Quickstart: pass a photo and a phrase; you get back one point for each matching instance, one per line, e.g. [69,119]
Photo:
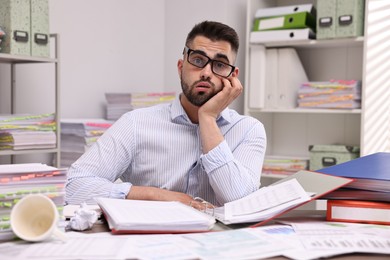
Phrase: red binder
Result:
[356,211]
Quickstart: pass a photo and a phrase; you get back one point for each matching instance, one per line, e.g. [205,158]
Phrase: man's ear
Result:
[179,66]
[236,72]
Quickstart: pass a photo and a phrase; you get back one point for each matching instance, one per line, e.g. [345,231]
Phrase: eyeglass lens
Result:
[218,67]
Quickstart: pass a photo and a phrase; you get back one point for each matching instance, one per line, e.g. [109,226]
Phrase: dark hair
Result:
[215,31]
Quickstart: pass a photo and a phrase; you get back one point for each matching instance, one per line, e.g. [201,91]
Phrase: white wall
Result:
[128,46]
[107,46]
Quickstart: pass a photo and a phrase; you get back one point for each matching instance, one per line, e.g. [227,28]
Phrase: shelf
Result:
[305,111]
[329,43]
[30,151]
[9,58]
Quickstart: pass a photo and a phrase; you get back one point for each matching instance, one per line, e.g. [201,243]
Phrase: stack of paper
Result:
[117,105]
[338,94]
[77,135]
[120,103]
[27,131]
[284,165]
[19,180]
[284,23]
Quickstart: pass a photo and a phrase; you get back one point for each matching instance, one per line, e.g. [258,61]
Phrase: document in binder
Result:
[283,10]
[288,21]
[153,217]
[357,211]
[281,35]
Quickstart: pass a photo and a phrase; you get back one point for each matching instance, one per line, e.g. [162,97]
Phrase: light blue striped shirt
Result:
[159,146]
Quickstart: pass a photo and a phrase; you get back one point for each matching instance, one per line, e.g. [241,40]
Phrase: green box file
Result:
[350,18]
[15,21]
[322,156]
[290,21]
[40,46]
[326,19]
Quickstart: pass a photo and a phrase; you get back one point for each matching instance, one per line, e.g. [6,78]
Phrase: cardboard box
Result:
[15,21]
[322,156]
[40,33]
[326,19]
[350,18]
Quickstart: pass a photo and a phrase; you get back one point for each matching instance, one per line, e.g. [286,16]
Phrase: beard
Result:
[197,99]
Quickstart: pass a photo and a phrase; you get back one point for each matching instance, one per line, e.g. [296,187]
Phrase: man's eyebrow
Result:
[222,56]
[218,56]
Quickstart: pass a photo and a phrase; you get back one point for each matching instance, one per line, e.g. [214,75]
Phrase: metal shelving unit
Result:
[14,61]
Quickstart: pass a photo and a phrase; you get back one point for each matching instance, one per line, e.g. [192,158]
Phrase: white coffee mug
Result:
[35,218]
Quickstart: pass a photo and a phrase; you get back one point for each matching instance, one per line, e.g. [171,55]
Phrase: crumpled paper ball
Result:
[83,219]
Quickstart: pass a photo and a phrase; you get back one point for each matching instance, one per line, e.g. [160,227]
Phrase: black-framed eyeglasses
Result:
[200,60]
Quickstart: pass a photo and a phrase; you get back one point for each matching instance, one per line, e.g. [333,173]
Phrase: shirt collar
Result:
[178,113]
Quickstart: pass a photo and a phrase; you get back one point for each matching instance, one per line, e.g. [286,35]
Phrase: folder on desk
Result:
[312,182]
[282,10]
[371,172]
[289,21]
[281,35]
[153,217]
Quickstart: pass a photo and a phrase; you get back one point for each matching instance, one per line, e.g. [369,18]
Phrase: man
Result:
[194,147]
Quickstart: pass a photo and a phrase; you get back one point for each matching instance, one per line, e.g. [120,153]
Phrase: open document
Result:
[263,204]
[278,198]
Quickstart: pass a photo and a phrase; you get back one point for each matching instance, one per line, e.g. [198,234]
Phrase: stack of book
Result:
[77,135]
[336,94]
[367,198]
[284,23]
[120,103]
[27,131]
[284,165]
[19,180]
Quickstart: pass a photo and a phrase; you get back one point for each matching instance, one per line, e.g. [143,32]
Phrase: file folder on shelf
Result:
[283,10]
[257,76]
[281,35]
[289,21]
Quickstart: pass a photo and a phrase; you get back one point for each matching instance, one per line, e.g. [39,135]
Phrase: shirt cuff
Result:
[217,157]
[120,190]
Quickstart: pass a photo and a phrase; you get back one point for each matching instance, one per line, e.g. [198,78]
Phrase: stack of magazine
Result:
[284,165]
[19,180]
[27,131]
[334,94]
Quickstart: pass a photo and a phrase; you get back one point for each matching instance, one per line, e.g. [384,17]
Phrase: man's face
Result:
[201,84]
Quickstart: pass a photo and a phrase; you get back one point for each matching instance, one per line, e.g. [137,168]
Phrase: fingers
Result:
[233,86]
[200,204]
